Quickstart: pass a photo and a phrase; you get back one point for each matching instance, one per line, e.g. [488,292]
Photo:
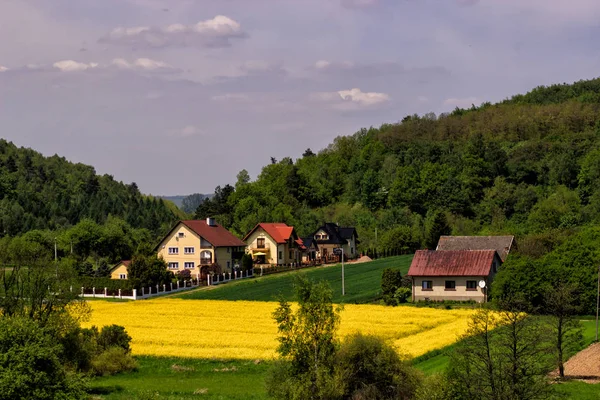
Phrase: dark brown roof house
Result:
[502,244]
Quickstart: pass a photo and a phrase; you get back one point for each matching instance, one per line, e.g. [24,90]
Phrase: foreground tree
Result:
[566,330]
[503,355]
[307,344]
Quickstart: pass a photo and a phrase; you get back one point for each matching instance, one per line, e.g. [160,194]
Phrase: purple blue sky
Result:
[180,95]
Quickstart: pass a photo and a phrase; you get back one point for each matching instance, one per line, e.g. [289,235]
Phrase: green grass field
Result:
[176,378]
[362,281]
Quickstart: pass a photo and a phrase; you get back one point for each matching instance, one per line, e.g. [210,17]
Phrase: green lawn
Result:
[176,378]
[363,283]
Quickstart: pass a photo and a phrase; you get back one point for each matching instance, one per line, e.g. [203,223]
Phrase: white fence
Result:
[158,290]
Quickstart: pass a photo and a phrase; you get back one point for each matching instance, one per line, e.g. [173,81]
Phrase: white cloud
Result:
[216,32]
[143,64]
[3,68]
[364,99]
[186,132]
[352,99]
[465,102]
[73,66]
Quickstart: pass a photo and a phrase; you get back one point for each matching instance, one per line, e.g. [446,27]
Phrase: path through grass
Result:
[363,283]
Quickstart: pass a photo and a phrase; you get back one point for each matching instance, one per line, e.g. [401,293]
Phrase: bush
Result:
[368,368]
[114,336]
[391,280]
[184,275]
[29,364]
[402,295]
[80,346]
[113,361]
[247,263]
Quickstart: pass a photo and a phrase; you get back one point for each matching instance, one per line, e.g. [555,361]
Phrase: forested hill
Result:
[38,192]
[528,166]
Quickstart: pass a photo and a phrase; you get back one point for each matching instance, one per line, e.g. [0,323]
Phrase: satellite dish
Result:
[482,283]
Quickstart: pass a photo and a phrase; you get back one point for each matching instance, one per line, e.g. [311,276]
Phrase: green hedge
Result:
[101,283]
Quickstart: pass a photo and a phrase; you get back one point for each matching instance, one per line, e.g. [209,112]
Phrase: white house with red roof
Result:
[274,243]
[200,246]
[453,274]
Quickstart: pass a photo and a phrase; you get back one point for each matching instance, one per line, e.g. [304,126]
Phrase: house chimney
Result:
[210,221]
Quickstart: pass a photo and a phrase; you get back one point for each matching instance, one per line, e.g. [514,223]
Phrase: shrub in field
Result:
[113,361]
[391,280]
[368,368]
[114,336]
[402,295]
[79,347]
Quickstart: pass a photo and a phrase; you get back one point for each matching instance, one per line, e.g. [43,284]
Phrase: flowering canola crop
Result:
[246,329]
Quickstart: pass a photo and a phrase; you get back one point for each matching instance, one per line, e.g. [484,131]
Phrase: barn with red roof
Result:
[459,275]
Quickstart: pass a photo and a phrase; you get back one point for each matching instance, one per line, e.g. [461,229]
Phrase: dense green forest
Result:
[527,166]
[44,200]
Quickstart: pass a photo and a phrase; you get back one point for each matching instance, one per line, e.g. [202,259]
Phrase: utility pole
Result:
[597,303]
[343,284]
[56,257]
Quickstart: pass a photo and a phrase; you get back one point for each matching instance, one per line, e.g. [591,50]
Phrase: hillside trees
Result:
[39,192]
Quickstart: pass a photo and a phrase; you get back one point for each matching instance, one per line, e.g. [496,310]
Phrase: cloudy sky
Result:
[180,95]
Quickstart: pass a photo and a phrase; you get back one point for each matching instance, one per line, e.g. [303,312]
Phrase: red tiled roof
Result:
[452,263]
[279,231]
[215,235]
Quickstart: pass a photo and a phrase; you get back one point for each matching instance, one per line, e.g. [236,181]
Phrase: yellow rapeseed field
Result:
[246,330]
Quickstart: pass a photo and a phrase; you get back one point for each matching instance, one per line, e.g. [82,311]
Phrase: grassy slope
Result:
[438,361]
[363,283]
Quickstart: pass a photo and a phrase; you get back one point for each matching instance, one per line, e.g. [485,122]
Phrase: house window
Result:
[228,264]
[122,276]
[173,250]
[281,255]
[260,243]
[471,285]
[292,254]
[206,258]
[188,250]
[173,265]
[181,234]
[427,285]
[450,285]
[228,250]
[351,250]
[205,244]
[188,265]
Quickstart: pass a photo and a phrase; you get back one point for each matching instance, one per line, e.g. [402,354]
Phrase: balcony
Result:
[255,248]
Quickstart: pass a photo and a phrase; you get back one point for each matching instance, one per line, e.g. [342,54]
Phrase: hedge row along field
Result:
[246,329]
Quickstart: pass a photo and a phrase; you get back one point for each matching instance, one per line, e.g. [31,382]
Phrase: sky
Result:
[180,95]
